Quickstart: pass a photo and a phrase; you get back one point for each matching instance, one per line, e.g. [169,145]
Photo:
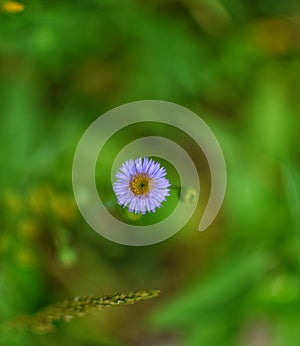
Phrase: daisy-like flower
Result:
[141,185]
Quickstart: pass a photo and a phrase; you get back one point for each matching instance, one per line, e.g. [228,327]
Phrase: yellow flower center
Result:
[140,184]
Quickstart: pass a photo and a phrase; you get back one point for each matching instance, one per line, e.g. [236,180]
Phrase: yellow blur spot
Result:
[275,36]
[25,258]
[39,199]
[12,7]
[5,244]
[64,207]
[13,201]
[188,195]
[28,228]
[133,216]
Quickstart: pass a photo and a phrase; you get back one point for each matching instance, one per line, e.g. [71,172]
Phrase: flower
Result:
[141,185]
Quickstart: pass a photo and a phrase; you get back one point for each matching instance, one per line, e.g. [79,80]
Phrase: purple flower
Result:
[141,185]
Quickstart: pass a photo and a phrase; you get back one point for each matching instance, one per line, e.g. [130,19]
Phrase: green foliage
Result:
[236,64]
[210,308]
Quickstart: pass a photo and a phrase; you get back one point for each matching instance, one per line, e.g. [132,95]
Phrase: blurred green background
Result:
[236,64]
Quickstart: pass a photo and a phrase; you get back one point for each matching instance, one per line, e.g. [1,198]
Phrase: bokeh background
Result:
[236,64]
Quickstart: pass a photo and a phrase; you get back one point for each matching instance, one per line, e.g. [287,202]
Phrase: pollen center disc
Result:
[140,184]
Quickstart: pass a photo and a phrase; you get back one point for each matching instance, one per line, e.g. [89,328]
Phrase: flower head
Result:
[141,185]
